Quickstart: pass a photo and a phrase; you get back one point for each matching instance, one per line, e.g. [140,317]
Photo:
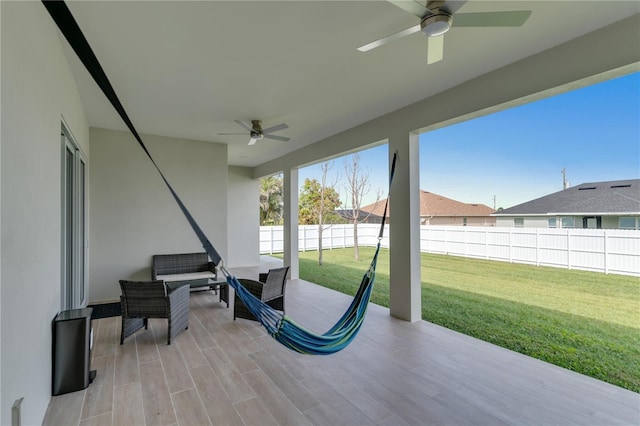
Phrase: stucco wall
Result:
[608,222]
[244,218]
[536,222]
[133,215]
[37,93]
[529,222]
[459,220]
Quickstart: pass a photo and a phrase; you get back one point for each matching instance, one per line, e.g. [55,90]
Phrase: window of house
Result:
[518,222]
[552,222]
[74,223]
[628,223]
[568,222]
[464,221]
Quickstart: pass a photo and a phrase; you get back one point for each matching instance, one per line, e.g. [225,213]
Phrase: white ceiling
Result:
[189,69]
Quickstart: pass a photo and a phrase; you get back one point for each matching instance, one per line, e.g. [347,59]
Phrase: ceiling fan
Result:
[256,132]
[438,17]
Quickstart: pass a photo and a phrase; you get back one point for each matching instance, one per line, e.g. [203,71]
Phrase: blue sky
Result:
[518,155]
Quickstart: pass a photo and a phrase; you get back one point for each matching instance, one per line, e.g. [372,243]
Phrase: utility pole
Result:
[564,178]
[494,202]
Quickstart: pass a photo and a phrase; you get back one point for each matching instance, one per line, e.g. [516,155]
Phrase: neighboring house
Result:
[363,216]
[438,210]
[598,205]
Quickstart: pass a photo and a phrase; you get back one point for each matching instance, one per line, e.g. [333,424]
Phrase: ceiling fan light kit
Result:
[255,135]
[436,24]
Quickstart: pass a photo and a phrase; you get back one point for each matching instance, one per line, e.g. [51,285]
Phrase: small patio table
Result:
[174,281]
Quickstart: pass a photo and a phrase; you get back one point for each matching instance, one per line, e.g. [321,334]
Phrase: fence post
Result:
[466,240]
[606,253]
[446,237]
[344,236]
[510,246]
[304,238]
[537,247]
[486,243]
[568,249]
[330,237]
[271,240]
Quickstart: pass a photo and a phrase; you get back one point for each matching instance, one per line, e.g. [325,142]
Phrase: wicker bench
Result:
[194,269]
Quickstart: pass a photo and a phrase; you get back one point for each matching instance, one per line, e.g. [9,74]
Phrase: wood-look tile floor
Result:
[225,372]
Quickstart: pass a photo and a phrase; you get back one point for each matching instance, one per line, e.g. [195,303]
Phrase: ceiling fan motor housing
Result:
[256,125]
[437,23]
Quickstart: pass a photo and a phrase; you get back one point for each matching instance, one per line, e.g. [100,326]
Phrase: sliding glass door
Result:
[74,224]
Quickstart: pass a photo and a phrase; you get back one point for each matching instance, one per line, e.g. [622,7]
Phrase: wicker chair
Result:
[141,300]
[271,291]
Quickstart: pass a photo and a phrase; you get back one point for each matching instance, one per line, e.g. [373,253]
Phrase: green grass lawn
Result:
[587,322]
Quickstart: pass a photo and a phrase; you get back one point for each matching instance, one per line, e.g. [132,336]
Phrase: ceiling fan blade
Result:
[435,49]
[389,38]
[278,138]
[245,125]
[515,18]
[227,134]
[252,141]
[275,128]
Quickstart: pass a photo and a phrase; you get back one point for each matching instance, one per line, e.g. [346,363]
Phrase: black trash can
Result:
[72,351]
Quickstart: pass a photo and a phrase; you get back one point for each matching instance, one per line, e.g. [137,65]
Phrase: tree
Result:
[318,203]
[357,187]
[271,200]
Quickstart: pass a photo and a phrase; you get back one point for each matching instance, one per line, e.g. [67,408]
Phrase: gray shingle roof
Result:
[620,196]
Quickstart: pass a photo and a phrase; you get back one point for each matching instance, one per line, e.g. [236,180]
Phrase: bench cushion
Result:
[186,277]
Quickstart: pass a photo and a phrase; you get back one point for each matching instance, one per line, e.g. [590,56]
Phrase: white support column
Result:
[405,299]
[290,228]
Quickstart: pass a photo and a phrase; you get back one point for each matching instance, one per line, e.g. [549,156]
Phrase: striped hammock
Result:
[279,326]
[296,337]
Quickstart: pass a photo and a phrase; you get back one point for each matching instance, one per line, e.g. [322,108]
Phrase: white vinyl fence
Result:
[601,250]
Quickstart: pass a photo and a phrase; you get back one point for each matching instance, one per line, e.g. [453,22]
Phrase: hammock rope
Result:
[279,326]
